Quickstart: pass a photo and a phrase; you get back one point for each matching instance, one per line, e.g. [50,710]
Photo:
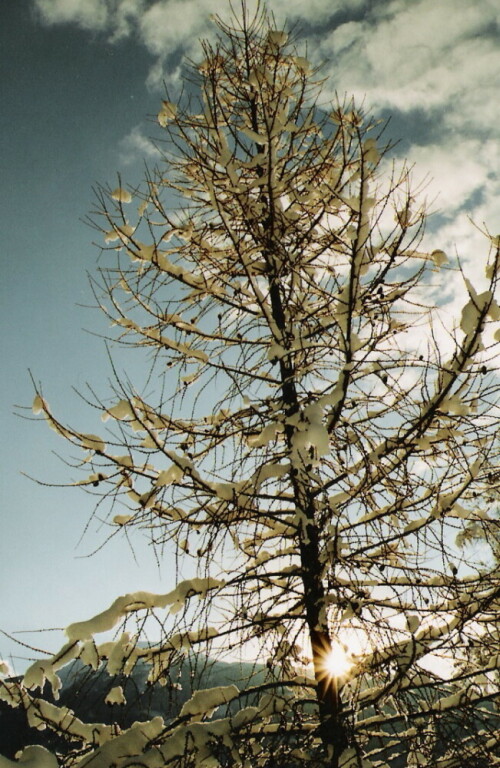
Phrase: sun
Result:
[337,662]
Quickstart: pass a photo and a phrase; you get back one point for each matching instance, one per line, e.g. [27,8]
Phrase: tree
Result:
[317,446]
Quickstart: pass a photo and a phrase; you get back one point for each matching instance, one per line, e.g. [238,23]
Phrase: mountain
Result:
[84,690]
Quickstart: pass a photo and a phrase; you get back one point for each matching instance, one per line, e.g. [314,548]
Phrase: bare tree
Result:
[318,446]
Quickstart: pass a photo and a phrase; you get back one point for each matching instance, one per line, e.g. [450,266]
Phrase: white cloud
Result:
[125,18]
[165,26]
[170,24]
[455,171]
[314,11]
[88,14]
[117,18]
[404,56]
[421,55]
[136,145]
[466,187]
[441,59]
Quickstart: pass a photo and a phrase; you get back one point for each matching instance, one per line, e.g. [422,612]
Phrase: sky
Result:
[81,82]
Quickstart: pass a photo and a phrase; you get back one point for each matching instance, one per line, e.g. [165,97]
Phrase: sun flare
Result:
[338,662]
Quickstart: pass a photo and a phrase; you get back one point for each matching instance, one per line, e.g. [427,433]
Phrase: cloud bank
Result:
[435,64]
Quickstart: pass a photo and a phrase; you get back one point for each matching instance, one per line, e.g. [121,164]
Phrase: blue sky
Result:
[81,83]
